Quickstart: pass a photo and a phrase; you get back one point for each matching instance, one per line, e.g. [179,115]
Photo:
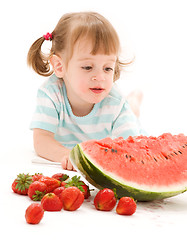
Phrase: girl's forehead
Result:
[83,48]
[83,45]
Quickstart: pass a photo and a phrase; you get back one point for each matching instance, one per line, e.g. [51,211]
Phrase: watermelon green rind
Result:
[100,179]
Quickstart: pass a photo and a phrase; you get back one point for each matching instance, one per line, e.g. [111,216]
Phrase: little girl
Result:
[80,100]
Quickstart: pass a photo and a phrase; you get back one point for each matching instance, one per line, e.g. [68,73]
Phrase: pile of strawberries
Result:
[62,192]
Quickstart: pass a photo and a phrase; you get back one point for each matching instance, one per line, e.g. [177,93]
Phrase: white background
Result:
[153,31]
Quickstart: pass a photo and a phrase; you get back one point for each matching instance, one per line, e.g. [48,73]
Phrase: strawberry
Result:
[50,202]
[60,176]
[36,176]
[37,190]
[63,184]
[86,191]
[34,213]
[126,206]
[58,191]
[75,181]
[21,183]
[51,183]
[105,200]
[72,198]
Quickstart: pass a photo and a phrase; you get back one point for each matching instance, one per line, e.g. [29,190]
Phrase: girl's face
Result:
[88,78]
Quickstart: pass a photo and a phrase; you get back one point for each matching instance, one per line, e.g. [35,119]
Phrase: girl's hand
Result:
[48,147]
[66,164]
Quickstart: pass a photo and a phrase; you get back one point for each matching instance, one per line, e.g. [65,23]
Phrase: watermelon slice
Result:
[145,168]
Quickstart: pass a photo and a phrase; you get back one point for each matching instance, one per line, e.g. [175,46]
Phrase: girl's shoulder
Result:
[115,97]
[53,83]
[52,88]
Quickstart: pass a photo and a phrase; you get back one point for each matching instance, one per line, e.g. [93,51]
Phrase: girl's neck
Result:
[81,111]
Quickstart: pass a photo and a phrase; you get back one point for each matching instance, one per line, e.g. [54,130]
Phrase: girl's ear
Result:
[57,65]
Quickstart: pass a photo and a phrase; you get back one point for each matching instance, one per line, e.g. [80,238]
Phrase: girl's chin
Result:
[96,98]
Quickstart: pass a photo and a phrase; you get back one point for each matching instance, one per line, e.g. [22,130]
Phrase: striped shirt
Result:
[112,117]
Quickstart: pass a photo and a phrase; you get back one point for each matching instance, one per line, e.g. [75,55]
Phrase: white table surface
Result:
[152,220]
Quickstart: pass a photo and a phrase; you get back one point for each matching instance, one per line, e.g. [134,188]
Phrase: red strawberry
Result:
[34,213]
[126,206]
[72,198]
[37,176]
[86,190]
[50,202]
[105,200]
[63,184]
[21,183]
[60,176]
[51,183]
[37,190]
[75,181]
[58,191]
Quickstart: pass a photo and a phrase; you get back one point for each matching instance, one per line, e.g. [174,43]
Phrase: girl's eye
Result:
[108,69]
[87,68]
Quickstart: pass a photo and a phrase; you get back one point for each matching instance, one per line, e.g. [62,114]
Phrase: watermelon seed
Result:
[155,159]
[183,146]
[106,150]
[142,161]
[175,153]
[114,150]
[126,156]
[180,152]
[166,157]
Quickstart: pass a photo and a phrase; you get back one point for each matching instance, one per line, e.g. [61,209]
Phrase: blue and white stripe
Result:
[112,117]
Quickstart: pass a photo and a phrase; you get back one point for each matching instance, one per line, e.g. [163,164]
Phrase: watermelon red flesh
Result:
[145,162]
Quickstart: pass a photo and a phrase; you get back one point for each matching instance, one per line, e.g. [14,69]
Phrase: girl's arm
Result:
[47,147]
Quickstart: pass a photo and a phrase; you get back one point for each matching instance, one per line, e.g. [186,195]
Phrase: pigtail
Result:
[38,60]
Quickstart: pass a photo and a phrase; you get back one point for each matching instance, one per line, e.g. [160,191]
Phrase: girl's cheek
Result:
[83,88]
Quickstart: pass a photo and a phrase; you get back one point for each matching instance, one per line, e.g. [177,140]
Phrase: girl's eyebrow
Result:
[83,59]
[89,58]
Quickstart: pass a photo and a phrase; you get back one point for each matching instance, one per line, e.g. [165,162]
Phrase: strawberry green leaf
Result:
[38,196]
[64,177]
[75,181]
[23,181]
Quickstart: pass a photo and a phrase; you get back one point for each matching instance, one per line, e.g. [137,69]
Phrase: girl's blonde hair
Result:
[71,28]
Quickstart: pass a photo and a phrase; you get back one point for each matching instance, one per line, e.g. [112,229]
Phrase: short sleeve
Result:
[126,124]
[46,115]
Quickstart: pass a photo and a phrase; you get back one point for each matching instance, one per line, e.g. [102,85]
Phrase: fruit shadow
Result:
[173,204]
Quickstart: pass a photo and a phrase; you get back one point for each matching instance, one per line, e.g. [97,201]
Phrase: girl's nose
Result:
[98,76]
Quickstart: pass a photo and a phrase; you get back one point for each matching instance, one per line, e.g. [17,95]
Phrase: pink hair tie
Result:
[48,36]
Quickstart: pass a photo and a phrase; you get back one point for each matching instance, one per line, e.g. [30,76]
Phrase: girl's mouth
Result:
[97,90]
